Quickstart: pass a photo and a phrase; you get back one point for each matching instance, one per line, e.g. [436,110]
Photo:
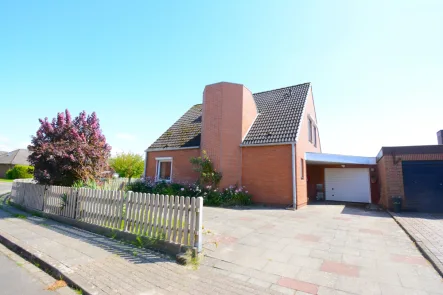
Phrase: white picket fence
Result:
[170,218]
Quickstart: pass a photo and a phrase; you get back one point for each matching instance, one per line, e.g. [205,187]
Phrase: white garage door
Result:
[347,185]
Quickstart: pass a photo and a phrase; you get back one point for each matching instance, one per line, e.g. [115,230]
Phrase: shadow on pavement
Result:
[127,251]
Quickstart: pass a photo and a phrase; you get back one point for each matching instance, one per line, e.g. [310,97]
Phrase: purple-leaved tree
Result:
[65,151]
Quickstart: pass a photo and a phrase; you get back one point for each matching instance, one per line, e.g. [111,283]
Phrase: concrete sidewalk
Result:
[100,265]
[426,229]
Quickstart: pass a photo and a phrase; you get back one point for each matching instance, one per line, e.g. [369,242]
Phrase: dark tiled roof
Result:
[16,157]
[184,133]
[280,113]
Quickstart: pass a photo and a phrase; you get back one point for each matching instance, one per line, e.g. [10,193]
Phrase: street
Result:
[15,279]
[5,187]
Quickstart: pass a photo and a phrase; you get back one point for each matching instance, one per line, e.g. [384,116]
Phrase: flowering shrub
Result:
[207,173]
[65,151]
[212,196]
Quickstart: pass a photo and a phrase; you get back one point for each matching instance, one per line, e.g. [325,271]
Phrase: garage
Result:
[347,185]
[423,185]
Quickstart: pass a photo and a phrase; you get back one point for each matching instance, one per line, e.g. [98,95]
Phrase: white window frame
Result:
[314,133]
[310,129]
[159,160]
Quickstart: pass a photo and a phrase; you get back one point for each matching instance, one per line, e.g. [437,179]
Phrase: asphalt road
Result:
[14,280]
[5,187]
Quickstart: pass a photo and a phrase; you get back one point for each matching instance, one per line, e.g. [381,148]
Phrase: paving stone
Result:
[340,268]
[387,289]
[317,277]
[262,275]
[298,285]
[409,259]
[326,255]
[239,276]
[357,286]
[304,261]
[282,290]
[259,283]
[328,291]
[281,269]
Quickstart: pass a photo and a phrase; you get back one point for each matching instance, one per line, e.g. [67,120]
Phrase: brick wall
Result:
[267,173]
[391,174]
[228,112]
[303,146]
[181,168]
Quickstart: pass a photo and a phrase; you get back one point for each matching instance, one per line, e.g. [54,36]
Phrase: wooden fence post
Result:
[198,224]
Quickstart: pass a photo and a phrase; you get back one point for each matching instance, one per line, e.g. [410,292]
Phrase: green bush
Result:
[230,196]
[20,171]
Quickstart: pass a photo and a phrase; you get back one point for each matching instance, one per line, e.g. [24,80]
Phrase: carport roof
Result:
[320,158]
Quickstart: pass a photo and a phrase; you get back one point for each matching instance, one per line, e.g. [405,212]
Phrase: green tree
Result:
[127,165]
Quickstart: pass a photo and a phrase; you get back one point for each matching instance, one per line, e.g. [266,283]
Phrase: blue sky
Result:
[376,66]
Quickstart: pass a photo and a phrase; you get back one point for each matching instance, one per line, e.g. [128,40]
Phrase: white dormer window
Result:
[164,169]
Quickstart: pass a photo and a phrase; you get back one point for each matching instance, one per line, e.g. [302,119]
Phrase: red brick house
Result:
[256,140]
[270,143]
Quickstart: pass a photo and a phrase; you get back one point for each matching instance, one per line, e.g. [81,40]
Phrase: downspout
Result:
[146,162]
[294,189]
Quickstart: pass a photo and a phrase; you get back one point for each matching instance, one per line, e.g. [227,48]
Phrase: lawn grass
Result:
[6,180]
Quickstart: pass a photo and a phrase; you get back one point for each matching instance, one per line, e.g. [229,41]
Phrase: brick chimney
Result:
[228,112]
[440,137]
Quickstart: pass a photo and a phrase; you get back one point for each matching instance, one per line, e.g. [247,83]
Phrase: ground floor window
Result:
[164,169]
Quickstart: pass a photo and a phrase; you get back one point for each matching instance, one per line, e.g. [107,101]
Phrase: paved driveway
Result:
[320,249]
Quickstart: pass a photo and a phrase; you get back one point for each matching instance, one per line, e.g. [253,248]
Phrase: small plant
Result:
[78,291]
[134,253]
[21,216]
[208,175]
[64,201]
[37,214]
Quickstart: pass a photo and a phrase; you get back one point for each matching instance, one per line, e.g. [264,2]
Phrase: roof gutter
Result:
[294,188]
[171,149]
[265,144]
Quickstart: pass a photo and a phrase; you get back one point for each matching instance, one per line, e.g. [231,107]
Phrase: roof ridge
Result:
[282,88]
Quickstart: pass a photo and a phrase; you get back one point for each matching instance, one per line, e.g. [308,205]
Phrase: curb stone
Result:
[36,272]
[45,265]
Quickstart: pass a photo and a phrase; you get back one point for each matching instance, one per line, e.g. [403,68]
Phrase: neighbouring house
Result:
[10,159]
[414,173]
[256,140]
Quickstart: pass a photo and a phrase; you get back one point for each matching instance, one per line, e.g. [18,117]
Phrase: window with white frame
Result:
[164,169]
[309,129]
[315,136]
[312,132]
